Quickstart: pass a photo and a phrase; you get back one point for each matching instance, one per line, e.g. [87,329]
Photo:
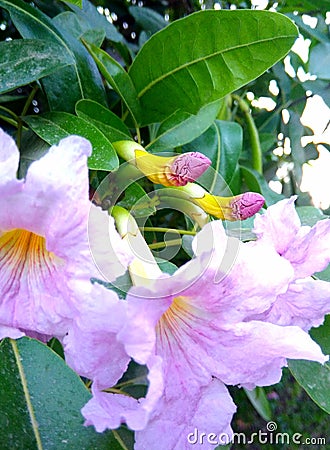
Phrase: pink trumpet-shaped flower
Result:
[45,257]
[194,332]
[307,249]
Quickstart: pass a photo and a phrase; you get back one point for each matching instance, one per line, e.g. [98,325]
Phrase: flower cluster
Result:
[232,315]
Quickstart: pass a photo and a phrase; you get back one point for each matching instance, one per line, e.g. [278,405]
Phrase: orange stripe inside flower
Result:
[23,251]
[175,320]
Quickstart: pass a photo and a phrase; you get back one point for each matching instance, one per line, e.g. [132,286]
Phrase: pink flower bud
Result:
[187,167]
[246,205]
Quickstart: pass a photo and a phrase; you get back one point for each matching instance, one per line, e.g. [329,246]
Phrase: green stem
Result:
[253,133]
[24,111]
[9,120]
[168,230]
[165,244]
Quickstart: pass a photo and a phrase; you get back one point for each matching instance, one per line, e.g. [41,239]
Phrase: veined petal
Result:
[305,304]
[190,418]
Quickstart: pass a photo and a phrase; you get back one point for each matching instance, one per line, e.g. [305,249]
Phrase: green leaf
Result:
[182,127]
[79,27]
[319,61]
[314,378]
[26,60]
[104,119]
[54,126]
[148,19]
[222,144]
[260,402]
[90,14]
[309,215]
[205,56]
[40,401]
[137,201]
[321,335]
[118,79]
[74,2]
[81,77]
[257,183]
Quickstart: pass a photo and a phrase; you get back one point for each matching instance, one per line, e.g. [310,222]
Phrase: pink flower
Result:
[192,330]
[307,249]
[45,258]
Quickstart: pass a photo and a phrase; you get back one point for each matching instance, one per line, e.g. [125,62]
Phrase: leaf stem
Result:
[168,230]
[253,133]
[27,394]
[24,111]
[170,243]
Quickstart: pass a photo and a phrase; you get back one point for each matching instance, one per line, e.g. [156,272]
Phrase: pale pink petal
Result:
[305,304]
[279,225]
[190,421]
[253,353]
[91,347]
[310,251]
[108,411]
[10,332]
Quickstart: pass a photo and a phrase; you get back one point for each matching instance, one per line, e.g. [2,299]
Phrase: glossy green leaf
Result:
[260,402]
[54,126]
[40,402]
[257,183]
[314,378]
[321,335]
[148,19]
[182,127]
[222,144]
[118,79]
[26,60]
[82,78]
[90,14]
[79,27]
[104,119]
[205,56]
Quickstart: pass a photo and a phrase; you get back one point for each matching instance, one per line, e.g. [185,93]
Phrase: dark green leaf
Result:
[182,127]
[148,19]
[260,402]
[41,399]
[137,201]
[65,87]
[205,56]
[257,183]
[315,379]
[322,335]
[118,79]
[56,125]
[90,14]
[222,144]
[26,60]
[104,119]
[79,27]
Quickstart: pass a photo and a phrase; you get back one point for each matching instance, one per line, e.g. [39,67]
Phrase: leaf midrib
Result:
[27,396]
[203,58]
